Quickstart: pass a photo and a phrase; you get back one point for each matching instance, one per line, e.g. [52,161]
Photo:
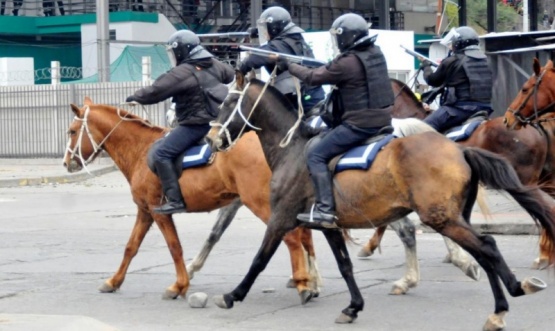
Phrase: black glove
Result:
[425,64]
[130,98]
[282,63]
[253,32]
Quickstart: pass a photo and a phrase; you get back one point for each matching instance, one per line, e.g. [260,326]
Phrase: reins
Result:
[537,113]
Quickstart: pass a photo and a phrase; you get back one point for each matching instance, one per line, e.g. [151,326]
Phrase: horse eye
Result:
[524,90]
[71,132]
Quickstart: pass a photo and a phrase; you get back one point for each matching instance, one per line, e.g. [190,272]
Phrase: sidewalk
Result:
[23,172]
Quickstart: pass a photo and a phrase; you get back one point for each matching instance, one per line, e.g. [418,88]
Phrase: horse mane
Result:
[275,96]
[404,87]
[130,117]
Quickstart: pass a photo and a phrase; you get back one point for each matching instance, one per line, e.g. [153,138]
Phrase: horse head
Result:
[536,97]
[81,147]
[232,118]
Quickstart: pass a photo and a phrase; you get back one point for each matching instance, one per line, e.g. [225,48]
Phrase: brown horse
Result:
[409,174]
[242,173]
[530,151]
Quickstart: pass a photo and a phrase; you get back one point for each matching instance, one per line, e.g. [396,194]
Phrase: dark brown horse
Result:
[530,151]
[241,173]
[408,175]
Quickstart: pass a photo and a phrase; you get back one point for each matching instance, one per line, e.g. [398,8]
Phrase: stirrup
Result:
[170,208]
[321,221]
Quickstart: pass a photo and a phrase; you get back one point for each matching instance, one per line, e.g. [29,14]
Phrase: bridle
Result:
[97,147]
[237,110]
[537,113]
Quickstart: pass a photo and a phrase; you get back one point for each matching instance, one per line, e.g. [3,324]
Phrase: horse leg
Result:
[298,263]
[272,239]
[315,282]
[339,249]
[456,254]
[542,261]
[225,216]
[373,243]
[181,285]
[406,231]
[143,223]
[484,249]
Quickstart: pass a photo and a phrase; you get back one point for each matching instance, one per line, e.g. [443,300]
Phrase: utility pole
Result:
[492,15]
[102,40]
[462,12]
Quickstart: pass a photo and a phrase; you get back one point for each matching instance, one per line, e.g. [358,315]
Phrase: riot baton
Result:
[251,32]
[304,61]
[418,55]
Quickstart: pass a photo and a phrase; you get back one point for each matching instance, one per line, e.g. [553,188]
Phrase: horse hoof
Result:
[315,294]
[170,295]
[222,302]
[447,259]
[398,290]
[106,288]
[364,253]
[344,319]
[291,283]
[495,322]
[531,285]
[473,271]
[305,295]
[540,264]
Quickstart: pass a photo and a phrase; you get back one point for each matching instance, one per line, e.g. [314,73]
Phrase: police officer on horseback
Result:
[283,36]
[195,72]
[363,99]
[465,78]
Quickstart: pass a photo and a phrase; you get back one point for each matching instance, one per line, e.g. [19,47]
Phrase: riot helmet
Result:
[465,40]
[275,21]
[349,31]
[184,45]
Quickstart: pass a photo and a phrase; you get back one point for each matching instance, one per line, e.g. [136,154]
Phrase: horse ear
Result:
[76,110]
[549,64]
[239,80]
[251,75]
[537,66]
[88,101]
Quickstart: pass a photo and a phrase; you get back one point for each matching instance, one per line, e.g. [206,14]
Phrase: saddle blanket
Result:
[463,132]
[196,156]
[361,157]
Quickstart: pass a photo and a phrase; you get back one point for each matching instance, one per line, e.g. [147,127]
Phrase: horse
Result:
[530,151]
[535,98]
[408,174]
[243,174]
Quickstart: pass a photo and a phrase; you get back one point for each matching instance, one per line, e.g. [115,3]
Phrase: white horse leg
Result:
[461,259]
[225,216]
[405,229]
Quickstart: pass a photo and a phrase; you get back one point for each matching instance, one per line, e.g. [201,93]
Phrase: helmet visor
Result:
[263,34]
[171,55]
[334,33]
[449,38]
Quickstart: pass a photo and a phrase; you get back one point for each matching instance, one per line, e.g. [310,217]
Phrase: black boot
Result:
[322,214]
[172,191]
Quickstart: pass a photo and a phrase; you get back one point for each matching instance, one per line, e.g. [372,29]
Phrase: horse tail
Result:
[496,173]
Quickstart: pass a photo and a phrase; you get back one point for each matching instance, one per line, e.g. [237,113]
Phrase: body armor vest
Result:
[480,81]
[284,81]
[377,93]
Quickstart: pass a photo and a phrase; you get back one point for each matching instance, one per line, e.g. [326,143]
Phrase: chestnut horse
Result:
[409,174]
[242,173]
[530,151]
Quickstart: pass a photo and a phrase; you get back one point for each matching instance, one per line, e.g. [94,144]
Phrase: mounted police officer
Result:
[363,100]
[195,72]
[465,77]
[283,36]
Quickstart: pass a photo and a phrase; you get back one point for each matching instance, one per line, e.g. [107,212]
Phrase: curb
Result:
[496,228]
[70,178]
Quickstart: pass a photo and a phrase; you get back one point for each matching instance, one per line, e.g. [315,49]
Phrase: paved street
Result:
[58,243]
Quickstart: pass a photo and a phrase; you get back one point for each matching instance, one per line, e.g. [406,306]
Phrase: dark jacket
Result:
[347,73]
[180,84]
[469,80]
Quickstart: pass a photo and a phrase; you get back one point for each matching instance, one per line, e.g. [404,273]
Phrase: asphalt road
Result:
[58,243]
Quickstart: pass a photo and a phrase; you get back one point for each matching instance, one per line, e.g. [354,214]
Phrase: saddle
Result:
[464,131]
[197,155]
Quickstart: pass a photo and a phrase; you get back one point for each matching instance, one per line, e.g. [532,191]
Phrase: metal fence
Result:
[34,119]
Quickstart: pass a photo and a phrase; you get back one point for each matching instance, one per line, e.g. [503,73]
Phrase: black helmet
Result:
[273,21]
[465,36]
[184,45]
[348,30]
